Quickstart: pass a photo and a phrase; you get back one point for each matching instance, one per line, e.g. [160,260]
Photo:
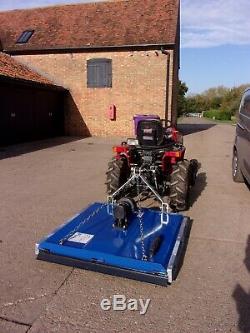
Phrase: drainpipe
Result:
[166,53]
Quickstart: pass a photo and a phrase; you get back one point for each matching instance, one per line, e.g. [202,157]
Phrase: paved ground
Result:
[44,184]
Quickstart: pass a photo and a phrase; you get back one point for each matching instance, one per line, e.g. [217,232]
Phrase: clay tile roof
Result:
[103,24]
[12,69]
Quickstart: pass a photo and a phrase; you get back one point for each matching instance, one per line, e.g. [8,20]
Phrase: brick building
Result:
[122,53]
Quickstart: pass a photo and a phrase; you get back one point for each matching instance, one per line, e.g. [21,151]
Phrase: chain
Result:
[72,232]
[140,215]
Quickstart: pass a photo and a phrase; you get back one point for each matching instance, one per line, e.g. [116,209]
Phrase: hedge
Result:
[218,115]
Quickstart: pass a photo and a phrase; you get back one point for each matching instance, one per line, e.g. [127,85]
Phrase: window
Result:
[245,104]
[25,36]
[99,73]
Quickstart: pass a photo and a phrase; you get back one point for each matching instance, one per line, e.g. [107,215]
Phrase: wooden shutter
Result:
[99,73]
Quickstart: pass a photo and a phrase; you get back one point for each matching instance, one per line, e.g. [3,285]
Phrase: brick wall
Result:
[139,86]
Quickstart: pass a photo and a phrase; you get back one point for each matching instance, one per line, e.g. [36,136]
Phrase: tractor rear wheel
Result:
[180,185]
[117,174]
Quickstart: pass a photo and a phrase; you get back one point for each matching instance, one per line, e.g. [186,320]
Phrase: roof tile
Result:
[9,67]
[103,24]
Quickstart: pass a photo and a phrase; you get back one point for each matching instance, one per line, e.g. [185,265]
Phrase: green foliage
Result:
[225,101]
[181,101]
[218,115]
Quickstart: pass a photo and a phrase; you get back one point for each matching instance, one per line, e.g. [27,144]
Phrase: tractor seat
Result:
[150,133]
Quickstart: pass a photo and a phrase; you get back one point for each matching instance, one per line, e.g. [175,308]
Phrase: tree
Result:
[219,99]
[181,99]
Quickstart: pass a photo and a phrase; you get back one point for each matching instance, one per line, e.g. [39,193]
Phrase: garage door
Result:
[29,114]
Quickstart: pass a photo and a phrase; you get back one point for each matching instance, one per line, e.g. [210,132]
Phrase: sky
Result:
[215,43]
[215,40]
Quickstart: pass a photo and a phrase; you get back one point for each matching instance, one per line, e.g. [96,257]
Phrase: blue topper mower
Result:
[120,237]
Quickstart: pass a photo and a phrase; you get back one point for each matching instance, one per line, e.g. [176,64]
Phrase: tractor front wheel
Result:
[180,185]
[117,174]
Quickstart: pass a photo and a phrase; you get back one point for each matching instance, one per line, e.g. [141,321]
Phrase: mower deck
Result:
[98,246]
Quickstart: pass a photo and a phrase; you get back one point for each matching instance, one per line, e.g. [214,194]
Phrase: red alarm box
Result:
[112,112]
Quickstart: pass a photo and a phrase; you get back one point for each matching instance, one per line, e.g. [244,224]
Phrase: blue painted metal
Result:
[115,247]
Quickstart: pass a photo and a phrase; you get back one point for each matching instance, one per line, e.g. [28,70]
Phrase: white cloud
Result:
[215,22]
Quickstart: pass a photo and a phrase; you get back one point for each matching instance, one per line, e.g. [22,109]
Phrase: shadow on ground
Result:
[187,129]
[25,148]
[242,297]
[184,249]
[199,187]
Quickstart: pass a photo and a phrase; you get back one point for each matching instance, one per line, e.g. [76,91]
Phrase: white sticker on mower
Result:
[79,237]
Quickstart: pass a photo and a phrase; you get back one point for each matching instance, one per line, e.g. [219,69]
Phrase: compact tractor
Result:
[121,237]
[158,154]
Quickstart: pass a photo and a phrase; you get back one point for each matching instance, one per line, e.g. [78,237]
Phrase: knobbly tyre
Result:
[121,237]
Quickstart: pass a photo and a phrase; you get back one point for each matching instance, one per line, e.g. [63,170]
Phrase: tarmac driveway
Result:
[43,184]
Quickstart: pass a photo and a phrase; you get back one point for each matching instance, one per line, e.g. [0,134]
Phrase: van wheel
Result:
[236,172]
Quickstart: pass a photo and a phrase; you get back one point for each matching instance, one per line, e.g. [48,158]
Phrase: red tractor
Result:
[158,155]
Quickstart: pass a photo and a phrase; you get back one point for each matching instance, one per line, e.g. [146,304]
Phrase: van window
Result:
[245,104]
